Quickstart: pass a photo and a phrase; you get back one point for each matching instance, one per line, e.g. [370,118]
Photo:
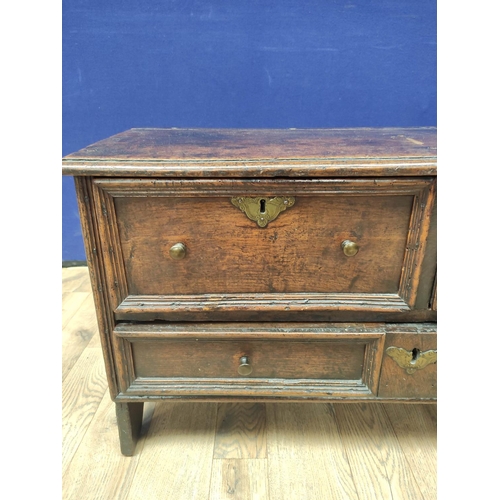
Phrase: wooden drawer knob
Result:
[245,368]
[350,248]
[178,251]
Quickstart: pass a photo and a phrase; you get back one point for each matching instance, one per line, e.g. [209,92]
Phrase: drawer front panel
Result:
[228,253]
[340,244]
[261,359]
[409,368]
[267,359]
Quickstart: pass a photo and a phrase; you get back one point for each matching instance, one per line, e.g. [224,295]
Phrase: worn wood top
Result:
[259,152]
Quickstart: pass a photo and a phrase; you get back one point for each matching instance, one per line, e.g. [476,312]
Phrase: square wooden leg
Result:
[129,419]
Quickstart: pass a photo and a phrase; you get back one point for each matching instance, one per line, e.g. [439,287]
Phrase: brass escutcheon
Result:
[411,361]
[263,209]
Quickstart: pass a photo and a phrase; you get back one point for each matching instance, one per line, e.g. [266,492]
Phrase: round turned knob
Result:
[178,251]
[350,248]
[245,368]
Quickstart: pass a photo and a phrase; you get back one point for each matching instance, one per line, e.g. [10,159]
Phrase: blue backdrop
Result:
[271,63]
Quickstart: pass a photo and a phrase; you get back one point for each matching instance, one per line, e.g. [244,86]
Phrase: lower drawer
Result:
[258,360]
[337,359]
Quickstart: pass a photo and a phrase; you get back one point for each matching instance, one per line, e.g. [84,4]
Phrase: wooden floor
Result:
[232,451]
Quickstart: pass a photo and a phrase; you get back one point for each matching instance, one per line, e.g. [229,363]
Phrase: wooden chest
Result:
[262,265]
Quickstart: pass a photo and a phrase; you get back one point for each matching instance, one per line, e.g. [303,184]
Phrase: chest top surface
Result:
[154,152]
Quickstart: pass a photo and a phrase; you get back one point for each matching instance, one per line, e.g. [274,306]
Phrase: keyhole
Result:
[415,353]
[262,206]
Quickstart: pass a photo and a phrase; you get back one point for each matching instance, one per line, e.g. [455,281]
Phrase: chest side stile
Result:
[112,256]
[104,311]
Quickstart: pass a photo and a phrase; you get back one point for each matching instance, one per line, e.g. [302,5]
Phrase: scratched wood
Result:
[280,260]
[179,144]
[396,381]
[277,259]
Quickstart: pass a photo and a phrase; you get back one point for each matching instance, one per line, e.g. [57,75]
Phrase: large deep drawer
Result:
[202,247]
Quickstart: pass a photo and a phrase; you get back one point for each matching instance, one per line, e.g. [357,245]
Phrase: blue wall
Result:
[227,63]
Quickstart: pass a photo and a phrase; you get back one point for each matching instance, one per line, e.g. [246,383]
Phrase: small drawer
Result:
[409,368]
[257,360]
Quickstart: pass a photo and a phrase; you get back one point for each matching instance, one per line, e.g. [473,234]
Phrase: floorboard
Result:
[78,334]
[378,463]
[82,393]
[176,459]
[415,429]
[306,458]
[241,431]
[98,469]
[239,479]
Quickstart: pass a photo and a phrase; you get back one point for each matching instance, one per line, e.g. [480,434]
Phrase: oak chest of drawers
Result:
[261,265]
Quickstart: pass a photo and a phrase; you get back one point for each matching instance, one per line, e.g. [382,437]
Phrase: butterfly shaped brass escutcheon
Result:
[262,209]
[411,361]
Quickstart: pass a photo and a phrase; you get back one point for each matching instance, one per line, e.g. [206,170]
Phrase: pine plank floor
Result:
[210,451]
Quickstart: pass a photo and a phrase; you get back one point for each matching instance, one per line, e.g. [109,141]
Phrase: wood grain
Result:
[246,258]
[240,431]
[98,469]
[302,241]
[76,279]
[434,297]
[335,307]
[378,463]
[247,153]
[82,392]
[429,263]
[432,411]
[336,360]
[78,332]
[306,457]
[93,250]
[309,307]
[176,460]
[274,269]
[191,144]
[71,302]
[416,430]
[242,479]
[129,422]
[304,360]
[394,380]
